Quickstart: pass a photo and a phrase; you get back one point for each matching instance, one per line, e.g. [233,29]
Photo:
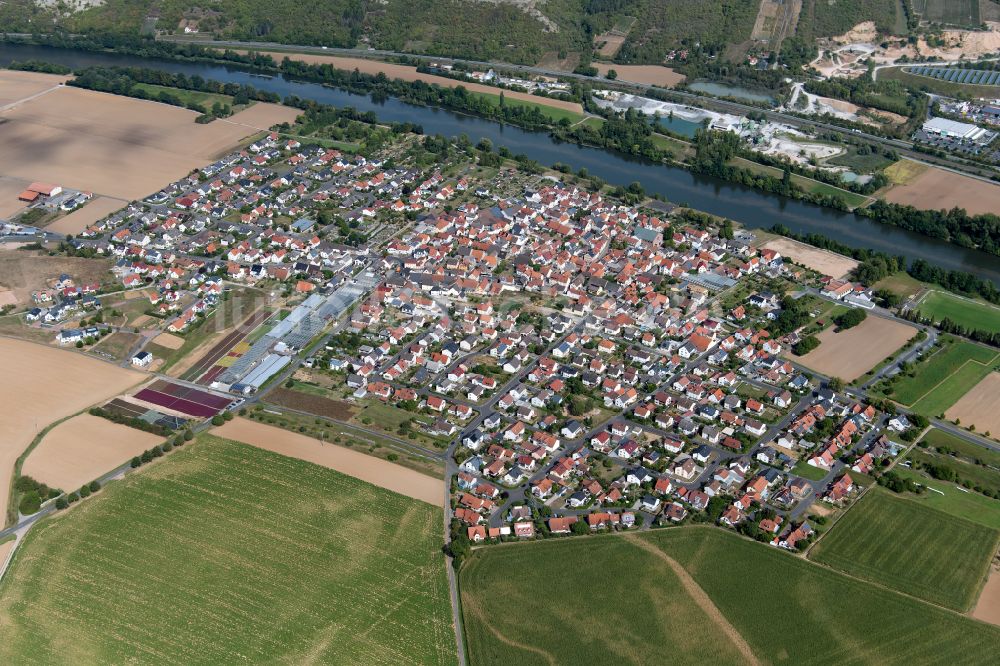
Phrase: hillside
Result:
[521,31]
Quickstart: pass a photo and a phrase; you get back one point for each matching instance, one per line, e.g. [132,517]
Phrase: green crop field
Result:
[186,96]
[951,499]
[910,548]
[948,392]
[931,376]
[963,311]
[605,600]
[221,553]
[954,445]
[549,112]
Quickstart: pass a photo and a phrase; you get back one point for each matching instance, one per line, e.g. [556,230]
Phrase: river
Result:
[749,207]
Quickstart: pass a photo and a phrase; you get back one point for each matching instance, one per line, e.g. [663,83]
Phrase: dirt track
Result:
[353,463]
[42,385]
[700,597]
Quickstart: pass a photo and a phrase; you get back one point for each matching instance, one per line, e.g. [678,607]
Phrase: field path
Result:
[700,597]
[471,605]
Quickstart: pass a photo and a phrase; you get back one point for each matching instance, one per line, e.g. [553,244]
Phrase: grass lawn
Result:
[567,599]
[947,497]
[807,471]
[963,311]
[938,367]
[224,553]
[869,163]
[910,548]
[960,447]
[977,476]
[948,392]
[900,283]
[553,113]
[187,96]
[808,184]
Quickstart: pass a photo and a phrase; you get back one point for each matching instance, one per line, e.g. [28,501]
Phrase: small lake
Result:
[679,125]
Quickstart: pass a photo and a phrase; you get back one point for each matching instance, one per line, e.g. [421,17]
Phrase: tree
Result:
[94,486]
[612,74]
[136,462]
[217,420]
[836,384]
[62,502]
[580,527]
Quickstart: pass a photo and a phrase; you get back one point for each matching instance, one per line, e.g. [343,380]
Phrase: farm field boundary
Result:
[911,548]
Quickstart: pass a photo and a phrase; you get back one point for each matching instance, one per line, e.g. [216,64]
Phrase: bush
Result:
[156,451]
[30,503]
[188,435]
[85,492]
[136,462]
[94,486]
[74,497]
[62,503]
[217,420]
[147,456]
[851,318]
[167,447]
[805,345]
[227,415]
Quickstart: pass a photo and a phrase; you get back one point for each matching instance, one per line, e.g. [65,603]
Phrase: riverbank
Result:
[703,192]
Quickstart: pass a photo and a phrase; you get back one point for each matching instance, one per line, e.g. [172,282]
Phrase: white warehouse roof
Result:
[952,128]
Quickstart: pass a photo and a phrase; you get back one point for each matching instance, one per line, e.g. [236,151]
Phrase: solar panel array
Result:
[979,77]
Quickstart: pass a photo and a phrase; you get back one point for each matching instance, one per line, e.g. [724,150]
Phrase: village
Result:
[588,364]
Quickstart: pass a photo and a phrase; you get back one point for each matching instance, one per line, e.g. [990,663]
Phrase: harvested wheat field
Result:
[651,75]
[16,86]
[373,470]
[824,261]
[117,146]
[851,353]
[980,406]
[936,189]
[408,73]
[82,218]
[42,385]
[987,608]
[9,189]
[83,448]
[169,340]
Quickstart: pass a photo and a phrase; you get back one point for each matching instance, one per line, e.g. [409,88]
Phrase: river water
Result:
[749,207]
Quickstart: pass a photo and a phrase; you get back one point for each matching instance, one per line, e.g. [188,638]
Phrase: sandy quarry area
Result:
[79,450]
[117,146]
[851,353]
[651,75]
[42,385]
[988,607]
[16,86]
[826,262]
[980,407]
[80,219]
[348,461]
[936,189]
[409,73]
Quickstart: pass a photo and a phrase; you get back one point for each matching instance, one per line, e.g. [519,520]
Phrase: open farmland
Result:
[82,218]
[525,593]
[83,448]
[963,311]
[42,385]
[943,377]
[910,548]
[951,499]
[16,86]
[851,353]
[225,553]
[652,75]
[824,261]
[597,623]
[936,189]
[117,146]
[354,463]
[980,407]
